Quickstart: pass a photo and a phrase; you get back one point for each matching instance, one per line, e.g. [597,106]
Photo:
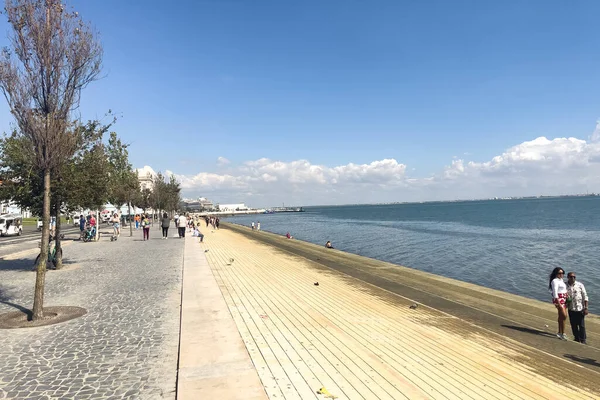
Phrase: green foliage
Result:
[142,199]
[82,181]
[123,182]
[22,181]
[165,194]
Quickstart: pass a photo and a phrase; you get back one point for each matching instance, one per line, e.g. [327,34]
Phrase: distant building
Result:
[232,207]
[11,208]
[146,177]
[205,203]
[192,205]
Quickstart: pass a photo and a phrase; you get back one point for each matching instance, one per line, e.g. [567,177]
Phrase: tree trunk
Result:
[58,253]
[40,276]
[97,225]
[129,218]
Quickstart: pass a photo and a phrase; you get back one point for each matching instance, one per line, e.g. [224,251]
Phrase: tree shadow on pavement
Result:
[25,264]
[529,330]
[589,361]
[21,264]
[5,298]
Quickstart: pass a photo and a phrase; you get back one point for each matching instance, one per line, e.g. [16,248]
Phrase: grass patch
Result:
[33,221]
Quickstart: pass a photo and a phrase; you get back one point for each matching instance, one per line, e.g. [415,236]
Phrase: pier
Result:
[318,322]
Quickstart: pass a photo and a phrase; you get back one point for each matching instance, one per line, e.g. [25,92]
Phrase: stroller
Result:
[89,234]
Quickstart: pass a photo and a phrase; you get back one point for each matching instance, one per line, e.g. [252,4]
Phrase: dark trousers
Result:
[577,320]
[146,233]
[165,231]
[181,231]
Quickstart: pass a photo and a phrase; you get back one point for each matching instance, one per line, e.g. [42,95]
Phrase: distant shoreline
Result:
[591,195]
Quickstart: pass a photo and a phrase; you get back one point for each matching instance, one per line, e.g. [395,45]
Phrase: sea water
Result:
[509,245]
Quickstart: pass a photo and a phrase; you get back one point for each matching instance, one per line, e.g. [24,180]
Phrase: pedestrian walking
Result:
[252,225]
[577,301]
[258,226]
[181,224]
[116,221]
[81,226]
[559,298]
[146,227]
[52,226]
[165,223]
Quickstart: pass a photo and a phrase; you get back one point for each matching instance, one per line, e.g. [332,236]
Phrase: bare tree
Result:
[52,57]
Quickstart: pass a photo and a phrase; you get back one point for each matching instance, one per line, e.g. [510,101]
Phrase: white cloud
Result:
[596,134]
[550,157]
[221,161]
[539,166]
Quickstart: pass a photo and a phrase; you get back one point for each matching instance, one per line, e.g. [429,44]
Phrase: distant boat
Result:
[286,209]
[269,211]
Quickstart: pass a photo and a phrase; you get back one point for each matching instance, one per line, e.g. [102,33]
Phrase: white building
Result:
[11,208]
[146,177]
[206,203]
[232,207]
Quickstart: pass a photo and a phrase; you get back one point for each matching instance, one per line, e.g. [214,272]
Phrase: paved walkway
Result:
[361,342]
[126,346]
[214,362]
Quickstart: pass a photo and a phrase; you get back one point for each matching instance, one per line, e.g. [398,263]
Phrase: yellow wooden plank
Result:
[343,334]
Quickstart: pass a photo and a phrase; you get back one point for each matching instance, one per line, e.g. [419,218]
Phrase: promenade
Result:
[359,341]
[241,316]
[125,347]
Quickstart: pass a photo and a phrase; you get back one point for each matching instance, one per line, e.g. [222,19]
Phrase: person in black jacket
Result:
[165,223]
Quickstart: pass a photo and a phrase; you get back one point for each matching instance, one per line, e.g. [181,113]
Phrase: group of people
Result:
[188,223]
[212,221]
[255,226]
[87,223]
[569,299]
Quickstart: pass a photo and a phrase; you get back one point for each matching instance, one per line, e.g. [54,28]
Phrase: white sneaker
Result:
[561,336]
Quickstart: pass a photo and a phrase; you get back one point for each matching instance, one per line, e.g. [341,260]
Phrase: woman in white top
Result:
[116,224]
[559,297]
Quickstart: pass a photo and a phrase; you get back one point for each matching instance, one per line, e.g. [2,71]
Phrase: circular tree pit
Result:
[52,315]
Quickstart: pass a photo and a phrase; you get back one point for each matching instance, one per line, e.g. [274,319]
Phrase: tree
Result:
[22,182]
[158,197]
[88,170]
[165,195]
[143,199]
[54,56]
[74,185]
[174,190]
[124,182]
[89,163]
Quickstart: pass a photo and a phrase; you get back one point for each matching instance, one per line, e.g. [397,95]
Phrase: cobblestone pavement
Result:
[126,346]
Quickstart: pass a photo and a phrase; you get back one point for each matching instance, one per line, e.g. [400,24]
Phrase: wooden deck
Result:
[360,342]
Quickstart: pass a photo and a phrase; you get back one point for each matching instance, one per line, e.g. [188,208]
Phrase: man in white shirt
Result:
[578,307]
[181,225]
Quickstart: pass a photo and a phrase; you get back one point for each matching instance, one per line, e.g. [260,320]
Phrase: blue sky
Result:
[345,82]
